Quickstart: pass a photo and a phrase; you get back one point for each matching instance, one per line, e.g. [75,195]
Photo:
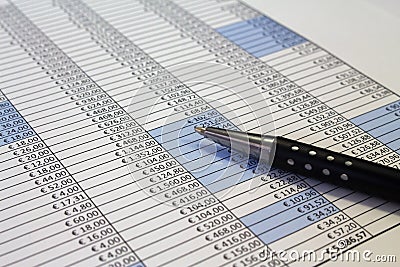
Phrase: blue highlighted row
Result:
[261,36]
[287,216]
[213,165]
[12,126]
[382,123]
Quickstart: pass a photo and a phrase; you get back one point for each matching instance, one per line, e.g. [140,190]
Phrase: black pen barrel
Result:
[337,168]
[311,161]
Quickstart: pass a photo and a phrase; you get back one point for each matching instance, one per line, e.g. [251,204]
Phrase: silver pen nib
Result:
[259,146]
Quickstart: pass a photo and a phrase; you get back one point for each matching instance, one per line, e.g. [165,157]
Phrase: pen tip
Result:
[199,130]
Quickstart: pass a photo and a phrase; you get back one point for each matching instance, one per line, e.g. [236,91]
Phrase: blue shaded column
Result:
[13,127]
[213,165]
[289,215]
[261,36]
[382,123]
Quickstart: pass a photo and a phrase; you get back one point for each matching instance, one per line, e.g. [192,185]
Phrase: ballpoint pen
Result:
[312,161]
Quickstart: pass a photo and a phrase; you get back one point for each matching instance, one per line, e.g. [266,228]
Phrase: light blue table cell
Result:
[17,122]
[156,137]
[394,144]
[289,39]
[192,142]
[279,32]
[5,104]
[288,228]
[233,27]
[208,174]
[264,47]
[264,34]
[219,154]
[281,217]
[23,135]
[269,42]
[386,128]
[391,136]
[185,145]
[226,177]
[155,133]
[180,146]
[245,27]
[9,117]
[5,123]
[169,131]
[231,181]
[284,230]
[260,41]
[268,51]
[262,21]
[212,173]
[266,24]
[172,132]
[220,169]
[186,139]
[14,130]
[202,153]
[374,113]
[196,161]
[7,111]
[272,28]
[185,125]
[258,36]
[168,134]
[178,138]
[273,209]
[250,38]
[377,121]
[239,35]
[297,40]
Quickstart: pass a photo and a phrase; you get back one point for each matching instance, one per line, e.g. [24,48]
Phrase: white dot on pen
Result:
[312,153]
[326,171]
[290,162]
[308,167]
[344,177]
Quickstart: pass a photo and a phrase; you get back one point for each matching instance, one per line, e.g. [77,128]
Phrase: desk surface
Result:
[346,29]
